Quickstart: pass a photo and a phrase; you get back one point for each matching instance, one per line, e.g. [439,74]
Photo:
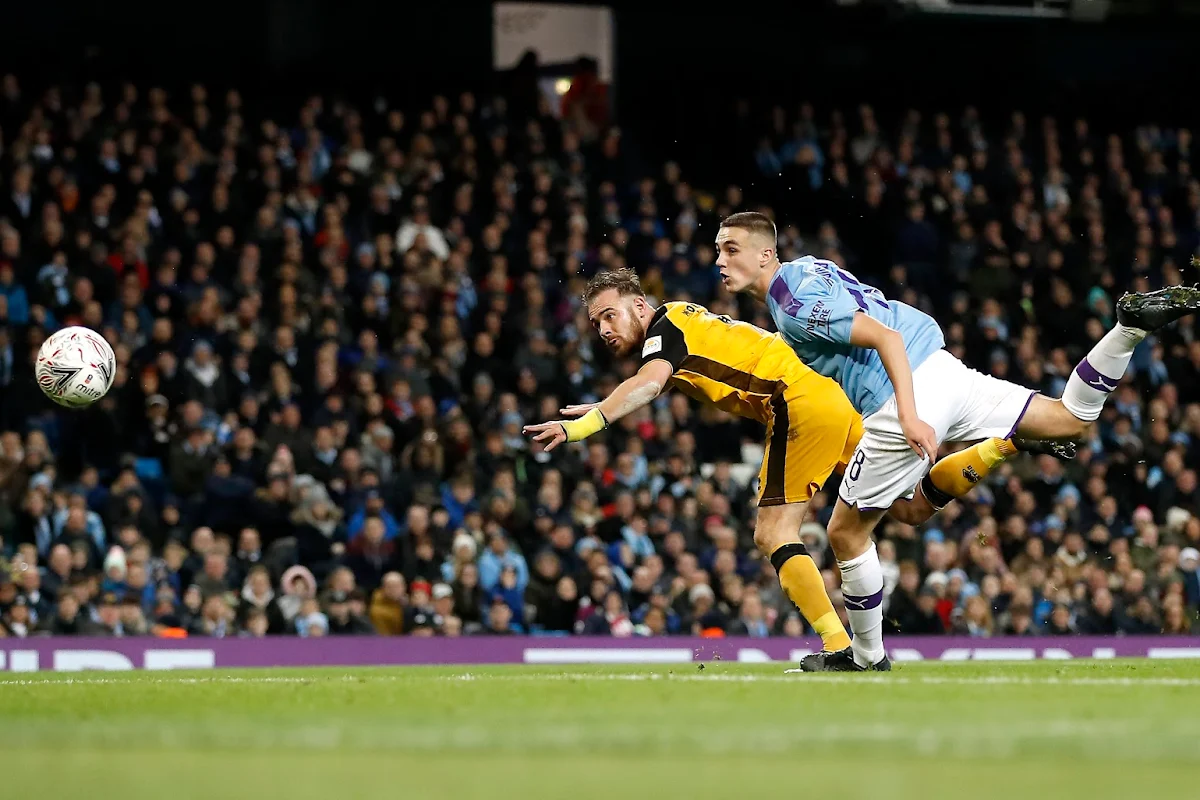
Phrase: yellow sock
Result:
[956,475]
[800,578]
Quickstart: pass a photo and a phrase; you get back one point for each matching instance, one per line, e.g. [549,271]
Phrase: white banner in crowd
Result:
[558,34]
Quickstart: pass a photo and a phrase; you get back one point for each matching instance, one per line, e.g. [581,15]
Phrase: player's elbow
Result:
[889,339]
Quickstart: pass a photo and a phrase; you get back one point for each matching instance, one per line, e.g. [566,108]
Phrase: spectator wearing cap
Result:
[463,549]
[442,596]
[1189,567]
[422,624]
[16,620]
[115,571]
[317,528]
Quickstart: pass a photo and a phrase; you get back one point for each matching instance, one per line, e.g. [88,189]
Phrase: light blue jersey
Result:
[813,303]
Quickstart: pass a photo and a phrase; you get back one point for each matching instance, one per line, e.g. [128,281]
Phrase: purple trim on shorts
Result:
[856,603]
[1095,378]
[861,509]
[1021,416]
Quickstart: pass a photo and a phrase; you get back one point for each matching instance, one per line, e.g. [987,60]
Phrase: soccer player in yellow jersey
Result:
[812,429]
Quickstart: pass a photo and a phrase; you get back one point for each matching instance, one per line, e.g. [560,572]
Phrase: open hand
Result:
[549,434]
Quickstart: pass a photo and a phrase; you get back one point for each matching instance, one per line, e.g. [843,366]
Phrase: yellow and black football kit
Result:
[812,429]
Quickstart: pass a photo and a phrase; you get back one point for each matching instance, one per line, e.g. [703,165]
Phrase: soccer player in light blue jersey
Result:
[913,395]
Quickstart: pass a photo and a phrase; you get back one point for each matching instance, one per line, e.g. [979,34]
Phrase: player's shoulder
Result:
[679,313]
[665,336]
[803,277]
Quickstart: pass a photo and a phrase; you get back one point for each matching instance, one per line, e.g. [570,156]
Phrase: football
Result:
[75,367]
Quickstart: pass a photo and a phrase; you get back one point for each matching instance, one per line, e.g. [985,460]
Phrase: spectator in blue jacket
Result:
[496,557]
[373,507]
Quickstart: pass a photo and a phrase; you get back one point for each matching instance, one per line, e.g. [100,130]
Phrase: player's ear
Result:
[765,255]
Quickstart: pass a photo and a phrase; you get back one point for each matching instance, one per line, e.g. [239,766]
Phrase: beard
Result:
[624,347]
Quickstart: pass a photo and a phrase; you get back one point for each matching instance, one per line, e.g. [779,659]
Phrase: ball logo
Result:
[75,367]
[61,376]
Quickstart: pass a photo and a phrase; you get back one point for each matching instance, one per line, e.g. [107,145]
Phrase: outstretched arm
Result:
[868,332]
[631,395]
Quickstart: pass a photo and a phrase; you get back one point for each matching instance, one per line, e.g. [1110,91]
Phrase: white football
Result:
[75,367]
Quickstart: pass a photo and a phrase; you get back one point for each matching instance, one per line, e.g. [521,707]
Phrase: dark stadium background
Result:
[678,71]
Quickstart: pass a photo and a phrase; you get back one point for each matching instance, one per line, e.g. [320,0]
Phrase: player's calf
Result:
[775,535]
[1047,419]
[849,534]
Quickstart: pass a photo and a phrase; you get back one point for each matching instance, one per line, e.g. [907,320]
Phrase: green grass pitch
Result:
[1045,729]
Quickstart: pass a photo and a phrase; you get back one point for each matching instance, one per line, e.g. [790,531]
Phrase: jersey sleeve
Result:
[814,307]
[664,342]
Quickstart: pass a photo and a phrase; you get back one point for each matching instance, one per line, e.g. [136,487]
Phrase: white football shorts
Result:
[959,403]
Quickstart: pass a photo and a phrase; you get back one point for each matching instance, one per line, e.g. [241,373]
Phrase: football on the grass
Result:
[75,367]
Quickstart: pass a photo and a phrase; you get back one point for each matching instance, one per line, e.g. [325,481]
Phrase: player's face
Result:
[741,256]
[618,320]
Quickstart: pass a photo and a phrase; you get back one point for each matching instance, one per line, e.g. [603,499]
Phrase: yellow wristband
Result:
[585,426]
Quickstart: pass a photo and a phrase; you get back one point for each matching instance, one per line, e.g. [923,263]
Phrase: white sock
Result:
[1100,372]
[862,591]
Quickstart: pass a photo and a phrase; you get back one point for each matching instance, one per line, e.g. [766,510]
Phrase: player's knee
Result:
[764,540]
[769,538]
[847,543]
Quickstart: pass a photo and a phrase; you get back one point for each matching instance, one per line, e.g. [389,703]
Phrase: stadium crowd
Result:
[331,328]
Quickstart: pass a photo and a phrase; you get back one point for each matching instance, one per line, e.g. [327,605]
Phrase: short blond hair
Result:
[624,280]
